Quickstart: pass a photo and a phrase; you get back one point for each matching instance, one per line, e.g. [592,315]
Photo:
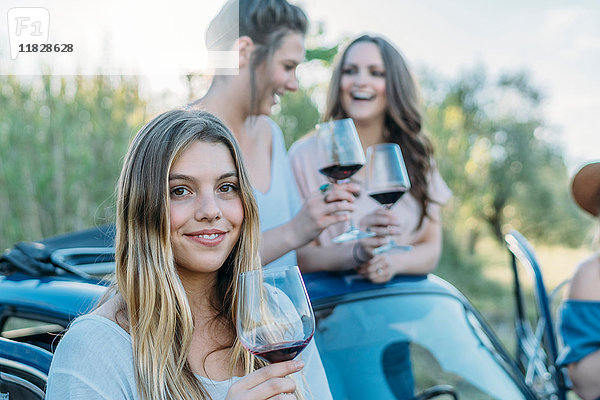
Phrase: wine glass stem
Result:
[391,241]
[351,226]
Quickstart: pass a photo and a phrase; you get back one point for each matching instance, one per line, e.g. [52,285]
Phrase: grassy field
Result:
[557,263]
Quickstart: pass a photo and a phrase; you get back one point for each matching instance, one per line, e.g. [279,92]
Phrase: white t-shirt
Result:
[94,360]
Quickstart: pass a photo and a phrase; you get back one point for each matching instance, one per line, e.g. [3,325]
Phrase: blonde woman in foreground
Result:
[187,226]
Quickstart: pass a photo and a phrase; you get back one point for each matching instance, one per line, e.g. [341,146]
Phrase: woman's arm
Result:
[422,259]
[313,257]
[584,376]
[317,213]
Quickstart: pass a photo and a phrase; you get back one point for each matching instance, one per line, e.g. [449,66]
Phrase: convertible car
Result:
[416,337]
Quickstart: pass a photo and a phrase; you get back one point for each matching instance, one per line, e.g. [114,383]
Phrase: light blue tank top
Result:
[282,201]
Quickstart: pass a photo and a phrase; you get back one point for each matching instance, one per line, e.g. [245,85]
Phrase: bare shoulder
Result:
[585,284]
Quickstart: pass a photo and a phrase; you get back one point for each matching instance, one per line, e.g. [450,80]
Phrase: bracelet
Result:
[356,256]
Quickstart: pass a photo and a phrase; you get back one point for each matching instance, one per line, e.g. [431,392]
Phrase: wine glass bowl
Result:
[386,180]
[341,156]
[275,320]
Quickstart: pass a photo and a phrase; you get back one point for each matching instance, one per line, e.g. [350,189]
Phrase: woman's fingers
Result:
[331,210]
[272,387]
[337,194]
[380,217]
[350,187]
[376,270]
[267,382]
[337,206]
[371,243]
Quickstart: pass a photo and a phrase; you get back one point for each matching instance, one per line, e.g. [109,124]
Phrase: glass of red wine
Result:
[275,319]
[341,156]
[387,181]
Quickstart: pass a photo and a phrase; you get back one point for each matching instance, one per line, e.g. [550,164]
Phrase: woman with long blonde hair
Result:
[187,226]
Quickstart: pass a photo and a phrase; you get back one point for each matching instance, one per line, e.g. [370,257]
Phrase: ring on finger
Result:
[324,187]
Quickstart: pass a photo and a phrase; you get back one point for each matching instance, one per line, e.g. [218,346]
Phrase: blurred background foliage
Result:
[62,140]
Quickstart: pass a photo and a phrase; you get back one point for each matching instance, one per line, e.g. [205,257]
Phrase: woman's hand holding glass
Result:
[379,269]
[267,382]
[275,320]
[341,156]
[386,182]
[323,209]
[384,224]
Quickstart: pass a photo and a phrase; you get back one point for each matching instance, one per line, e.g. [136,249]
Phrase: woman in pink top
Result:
[372,84]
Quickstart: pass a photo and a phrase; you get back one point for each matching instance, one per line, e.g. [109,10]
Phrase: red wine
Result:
[389,197]
[339,172]
[280,352]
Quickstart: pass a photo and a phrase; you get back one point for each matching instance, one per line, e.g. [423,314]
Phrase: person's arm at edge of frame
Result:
[584,373]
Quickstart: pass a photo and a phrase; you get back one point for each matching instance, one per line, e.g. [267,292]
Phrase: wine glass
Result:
[275,319]
[341,156]
[387,181]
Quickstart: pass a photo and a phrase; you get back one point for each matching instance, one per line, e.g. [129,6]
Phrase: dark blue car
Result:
[416,337]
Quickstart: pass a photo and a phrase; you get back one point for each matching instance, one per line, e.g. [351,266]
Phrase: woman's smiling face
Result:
[278,75]
[206,209]
[362,85]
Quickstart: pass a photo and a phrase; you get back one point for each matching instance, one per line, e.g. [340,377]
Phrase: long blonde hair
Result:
[155,304]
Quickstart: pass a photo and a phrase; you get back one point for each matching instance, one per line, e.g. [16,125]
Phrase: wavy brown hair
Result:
[403,119]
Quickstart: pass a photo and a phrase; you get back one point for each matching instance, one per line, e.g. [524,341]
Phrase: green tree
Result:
[489,138]
[298,115]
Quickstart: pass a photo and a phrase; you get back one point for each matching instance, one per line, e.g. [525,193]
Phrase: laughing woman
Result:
[187,226]
[372,84]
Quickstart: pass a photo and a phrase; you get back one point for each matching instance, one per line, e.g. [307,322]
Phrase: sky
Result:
[556,42]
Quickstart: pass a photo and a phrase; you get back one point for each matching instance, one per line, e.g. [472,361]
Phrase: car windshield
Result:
[395,346]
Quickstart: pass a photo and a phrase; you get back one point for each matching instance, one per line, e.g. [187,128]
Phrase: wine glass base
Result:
[391,247]
[352,234]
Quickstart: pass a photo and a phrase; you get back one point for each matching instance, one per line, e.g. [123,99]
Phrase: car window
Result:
[32,331]
[394,347]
